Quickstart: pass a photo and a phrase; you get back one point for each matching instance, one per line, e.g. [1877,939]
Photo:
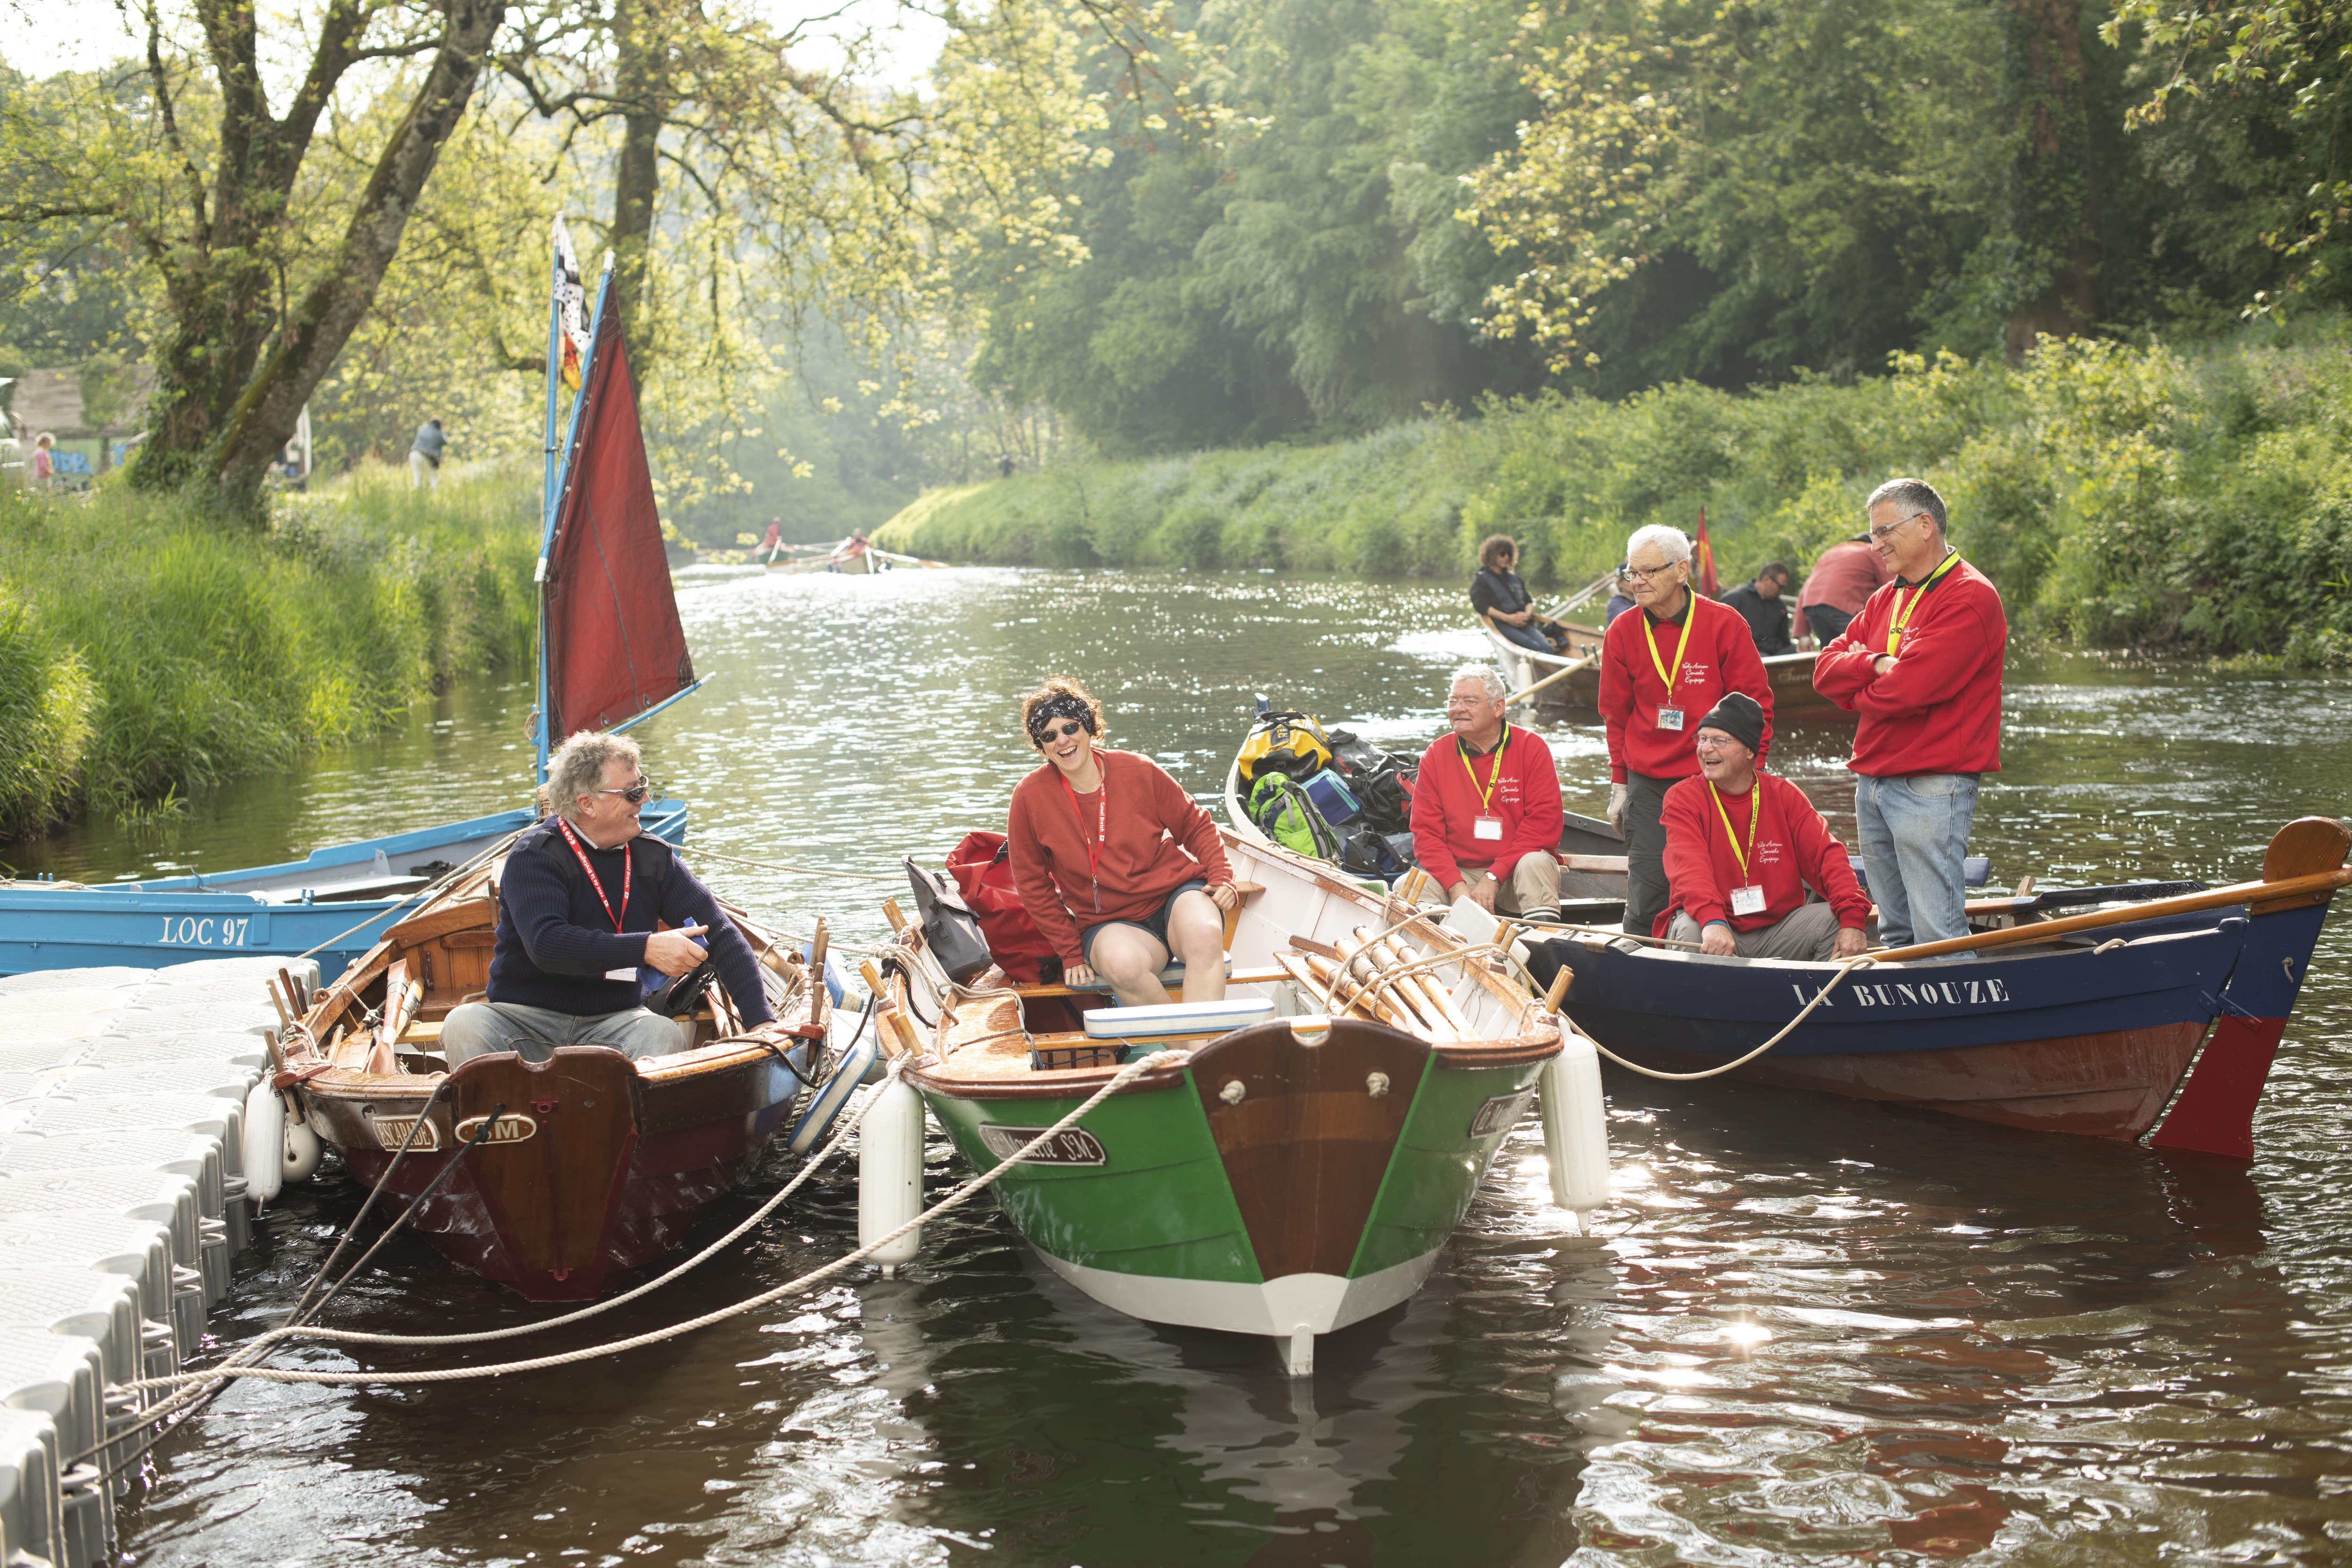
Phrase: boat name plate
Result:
[391,1131]
[511,1128]
[1500,1114]
[1071,1146]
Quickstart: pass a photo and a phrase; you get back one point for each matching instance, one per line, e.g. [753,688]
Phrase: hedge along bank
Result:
[2123,494]
[146,647]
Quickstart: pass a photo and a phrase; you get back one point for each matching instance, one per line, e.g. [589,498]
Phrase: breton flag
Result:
[1704,554]
[573,307]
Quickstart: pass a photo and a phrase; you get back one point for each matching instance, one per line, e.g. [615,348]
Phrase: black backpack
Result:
[1380,782]
[950,928]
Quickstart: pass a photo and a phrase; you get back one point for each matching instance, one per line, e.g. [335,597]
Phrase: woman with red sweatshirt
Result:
[1660,671]
[1115,863]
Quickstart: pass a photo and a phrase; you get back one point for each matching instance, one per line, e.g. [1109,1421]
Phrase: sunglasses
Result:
[634,794]
[1061,731]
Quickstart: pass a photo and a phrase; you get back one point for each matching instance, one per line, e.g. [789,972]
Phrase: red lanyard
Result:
[627,866]
[1102,819]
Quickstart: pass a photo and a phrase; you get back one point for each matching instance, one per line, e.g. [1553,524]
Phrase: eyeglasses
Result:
[1878,533]
[1452,703]
[635,793]
[1650,573]
[1063,730]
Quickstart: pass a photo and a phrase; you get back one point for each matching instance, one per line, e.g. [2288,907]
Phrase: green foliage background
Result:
[144,649]
[2117,494]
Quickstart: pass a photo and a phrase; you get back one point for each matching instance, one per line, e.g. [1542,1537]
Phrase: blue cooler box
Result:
[1332,798]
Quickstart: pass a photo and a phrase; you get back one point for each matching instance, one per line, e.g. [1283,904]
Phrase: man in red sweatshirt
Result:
[1660,671]
[1486,805]
[1742,846]
[1921,665]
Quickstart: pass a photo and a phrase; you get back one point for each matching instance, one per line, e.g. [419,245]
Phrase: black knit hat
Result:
[1739,716]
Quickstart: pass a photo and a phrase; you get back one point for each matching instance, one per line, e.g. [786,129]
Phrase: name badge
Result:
[1670,717]
[1747,900]
[620,975]
[1486,827]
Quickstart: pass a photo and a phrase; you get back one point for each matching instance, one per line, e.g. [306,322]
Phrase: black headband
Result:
[1063,707]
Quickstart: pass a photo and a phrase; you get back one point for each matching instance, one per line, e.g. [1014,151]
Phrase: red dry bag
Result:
[983,873]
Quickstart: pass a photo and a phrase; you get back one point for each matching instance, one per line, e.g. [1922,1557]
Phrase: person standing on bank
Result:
[1115,863]
[1660,669]
[1742,846]
[1842,579]
[1486,806]
[578,901]
[1763,605]
[425,456]
[1920,666]
[1501,599]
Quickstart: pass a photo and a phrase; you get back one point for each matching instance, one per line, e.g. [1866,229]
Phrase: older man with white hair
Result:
[1486,805]
[579,901]
[1661,671]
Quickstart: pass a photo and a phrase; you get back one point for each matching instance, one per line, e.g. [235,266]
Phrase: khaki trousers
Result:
[1809,934]
[1534,885]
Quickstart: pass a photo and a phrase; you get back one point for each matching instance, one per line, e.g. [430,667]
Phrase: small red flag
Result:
[1706,584]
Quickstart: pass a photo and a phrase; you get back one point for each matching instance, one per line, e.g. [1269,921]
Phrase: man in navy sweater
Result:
[578,902]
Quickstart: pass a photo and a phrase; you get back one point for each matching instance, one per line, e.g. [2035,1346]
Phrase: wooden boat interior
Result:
[1297,940]
[381,1023]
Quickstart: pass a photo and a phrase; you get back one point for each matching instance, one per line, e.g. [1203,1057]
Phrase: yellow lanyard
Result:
[1494,776]
[1755,804]
[1649,641]
[1903,609]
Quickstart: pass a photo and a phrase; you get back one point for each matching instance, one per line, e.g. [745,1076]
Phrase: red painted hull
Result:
[615,1170]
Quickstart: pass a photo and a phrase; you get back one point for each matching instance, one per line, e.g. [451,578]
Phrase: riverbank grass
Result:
[147,649]
[2195,498]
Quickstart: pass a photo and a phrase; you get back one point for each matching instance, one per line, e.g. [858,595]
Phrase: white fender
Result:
[1575,1124]
[861,1061]
[265,1143]
[302,1150]
[890,1174]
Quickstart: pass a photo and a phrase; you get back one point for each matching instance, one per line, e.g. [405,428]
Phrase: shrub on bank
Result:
[2119,494]
[146,648]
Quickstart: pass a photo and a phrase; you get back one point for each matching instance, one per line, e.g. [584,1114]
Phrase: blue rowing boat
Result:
[610,654]
[2082,1011]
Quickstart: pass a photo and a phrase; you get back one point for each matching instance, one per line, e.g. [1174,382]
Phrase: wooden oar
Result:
[1524,692]
[2316,887]
[1435,990]
[1365,964]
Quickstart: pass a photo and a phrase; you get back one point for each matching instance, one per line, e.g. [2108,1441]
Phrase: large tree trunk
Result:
[2053,207]
[222,410]
[640,81]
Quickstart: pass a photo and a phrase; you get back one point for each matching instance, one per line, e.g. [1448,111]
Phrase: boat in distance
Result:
[2087,1011]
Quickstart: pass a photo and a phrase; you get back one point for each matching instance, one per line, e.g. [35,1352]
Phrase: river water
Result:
[1811,1329]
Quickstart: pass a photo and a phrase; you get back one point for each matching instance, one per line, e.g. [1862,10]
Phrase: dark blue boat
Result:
[2083,1023]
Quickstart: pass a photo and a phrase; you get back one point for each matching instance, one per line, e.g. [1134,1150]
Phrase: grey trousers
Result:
[1534,885]
[1809,933]
[1645,850]
[479,1028]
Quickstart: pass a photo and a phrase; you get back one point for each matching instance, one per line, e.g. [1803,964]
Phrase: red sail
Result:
[615,645]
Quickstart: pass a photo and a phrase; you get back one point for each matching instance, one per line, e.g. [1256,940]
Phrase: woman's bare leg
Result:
[1131,961]
[1196,930]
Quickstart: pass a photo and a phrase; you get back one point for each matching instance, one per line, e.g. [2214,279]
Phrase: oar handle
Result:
[1527,691]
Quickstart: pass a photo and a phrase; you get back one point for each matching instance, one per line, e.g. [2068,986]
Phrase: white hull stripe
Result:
[1322,1302]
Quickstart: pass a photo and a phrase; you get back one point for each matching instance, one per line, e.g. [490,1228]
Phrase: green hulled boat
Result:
[1289,1177]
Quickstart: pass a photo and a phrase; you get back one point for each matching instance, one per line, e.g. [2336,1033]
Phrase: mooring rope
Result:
[956,1199]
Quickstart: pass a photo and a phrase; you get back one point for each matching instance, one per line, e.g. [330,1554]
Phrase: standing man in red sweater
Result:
[1842,579]
[1921,665]
[1486,806]
[1660,669]
[1115,863]
[1742,846]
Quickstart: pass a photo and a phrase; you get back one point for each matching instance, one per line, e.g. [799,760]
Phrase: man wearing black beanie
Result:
[1742,848]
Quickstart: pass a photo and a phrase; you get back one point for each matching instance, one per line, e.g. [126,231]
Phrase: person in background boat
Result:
[1660,669]
[1921,667]
[1115,863]
[425,456]
[773,541]
[1502,600]
[1763,604]
[1486,805]
[1621,596]
[578,902]
[1742,846]
[1842,579]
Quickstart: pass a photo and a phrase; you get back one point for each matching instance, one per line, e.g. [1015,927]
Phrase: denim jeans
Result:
[1527,636]
[479,1028]
[1915,837]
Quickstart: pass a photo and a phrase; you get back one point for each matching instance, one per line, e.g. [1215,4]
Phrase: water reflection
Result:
[1818,1329]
